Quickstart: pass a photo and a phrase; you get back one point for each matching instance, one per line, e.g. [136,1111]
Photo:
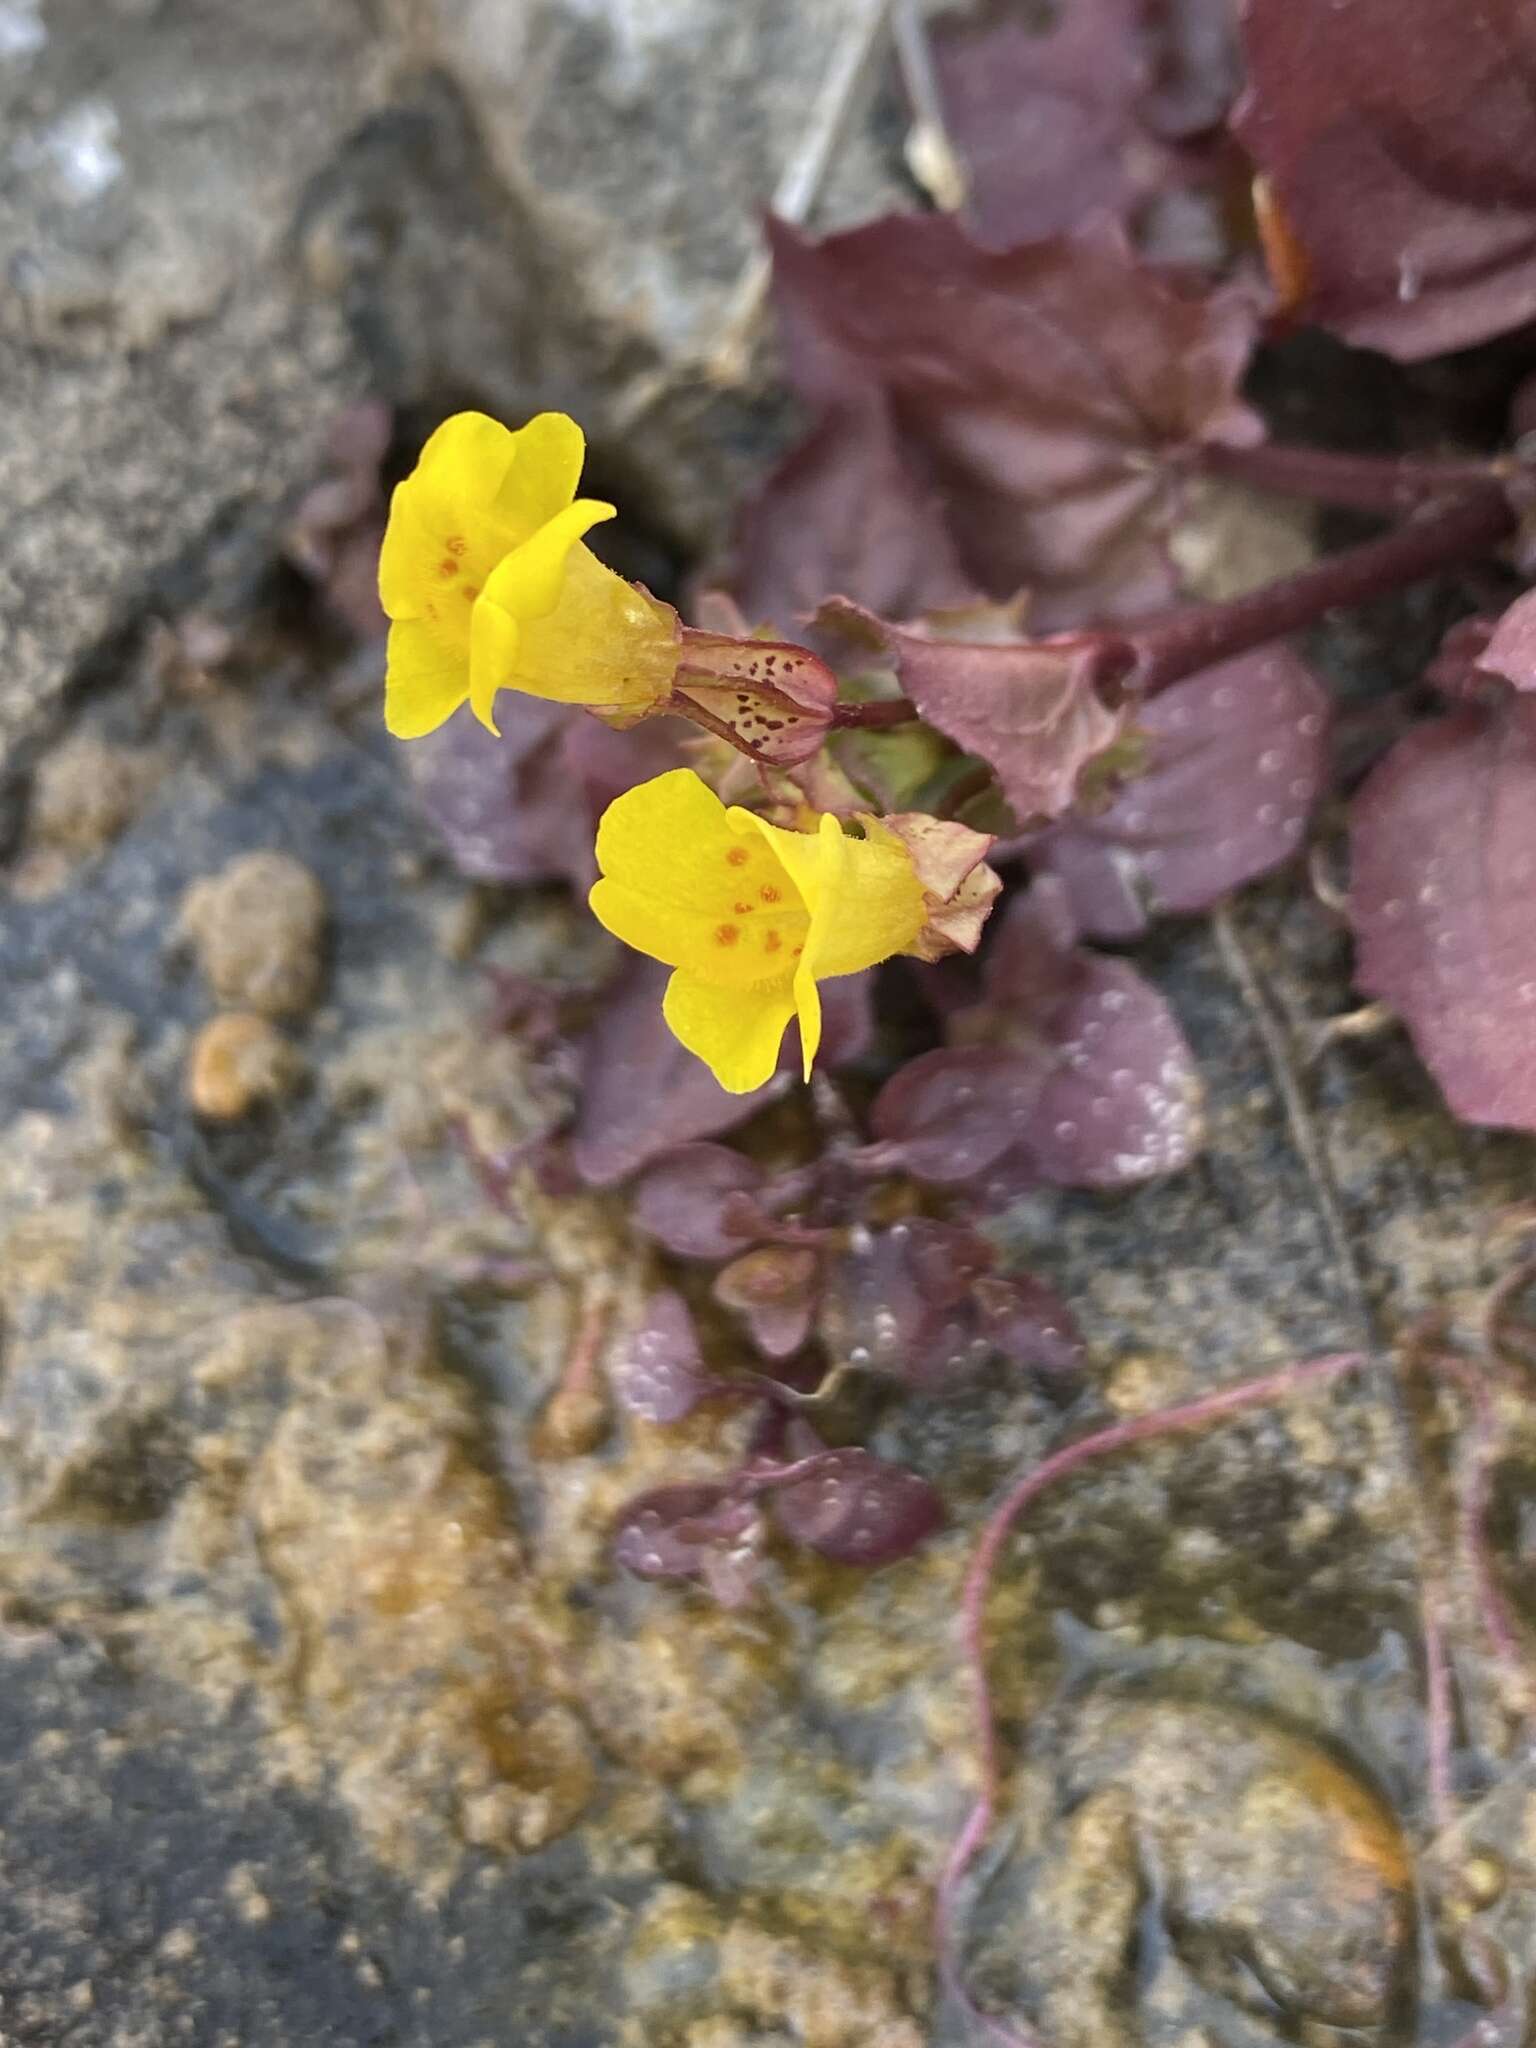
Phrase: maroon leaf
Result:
[845,511]
[775,1290]
[1443,902]
[1050,392]
[524,807]
[897,1303]
[641,1093]
[1028,1322]
[657,1372]
[1036,711]
[1511,651]
[701,1531]
[1122,1100]
[1084,1078]
[697,1201]
[857,1508]
[1056,128]
[1236,758]
[947,1116]
[335,533]
[1399,137]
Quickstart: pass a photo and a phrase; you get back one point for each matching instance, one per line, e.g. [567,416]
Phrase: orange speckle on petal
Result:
[469,592]
[769,893]
[737,857]
[456,544]
[727,934]
[743,909]
[771,942]
[447,567]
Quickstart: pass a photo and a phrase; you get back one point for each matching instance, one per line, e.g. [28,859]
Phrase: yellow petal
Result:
[476,493]
[865,899]
[736,1032]
[543,471]
[685,881]
[606,643]
[807,998]
[423,685]
[524,585]
[443,511]
[528,581]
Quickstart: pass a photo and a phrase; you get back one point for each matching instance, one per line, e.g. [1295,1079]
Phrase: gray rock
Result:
[163,378]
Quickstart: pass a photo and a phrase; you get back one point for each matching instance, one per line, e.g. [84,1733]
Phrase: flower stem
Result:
[1364,483]
[1181,642]
[876,714]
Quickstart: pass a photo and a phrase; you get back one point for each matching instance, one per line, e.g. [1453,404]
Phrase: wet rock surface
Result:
[324,1715]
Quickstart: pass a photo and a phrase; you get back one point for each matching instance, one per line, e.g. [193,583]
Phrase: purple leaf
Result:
[1050,393]
[1511,651]
[641,1094]
[1236,758]
[524,807]
[892,1313]
[775,1290]
[1085,1078]
[857,1508]
[700,1531]
[1028,1322]
[1399,137]
[657,1372]
[1058,127]
[334,535]
[697,1201]
[845,511]
[1443,902]
[1123,1103]
[947,1116]
[1036,711]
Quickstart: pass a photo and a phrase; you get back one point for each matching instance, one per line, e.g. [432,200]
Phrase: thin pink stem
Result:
[1472,1504]
[1437,1708]
[1165,1422]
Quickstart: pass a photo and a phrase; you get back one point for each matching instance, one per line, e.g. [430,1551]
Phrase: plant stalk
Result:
[1389,484]
[1198,636]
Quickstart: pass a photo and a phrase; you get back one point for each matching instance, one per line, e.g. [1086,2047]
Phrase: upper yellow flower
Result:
[489,587]
[750,916]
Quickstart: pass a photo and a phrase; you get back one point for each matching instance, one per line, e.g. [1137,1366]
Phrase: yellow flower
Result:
[750,916]
[488,585]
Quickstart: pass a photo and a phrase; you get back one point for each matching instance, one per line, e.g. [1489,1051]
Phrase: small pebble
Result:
[237,1061]
[1482,1880]
[258,927]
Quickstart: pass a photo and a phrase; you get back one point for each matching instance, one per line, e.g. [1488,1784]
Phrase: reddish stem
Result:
[999,1526]
[1198,636]
[876,714]
[1390,484]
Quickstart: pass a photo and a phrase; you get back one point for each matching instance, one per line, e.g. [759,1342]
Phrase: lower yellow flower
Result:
[489,587]
[750,916]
